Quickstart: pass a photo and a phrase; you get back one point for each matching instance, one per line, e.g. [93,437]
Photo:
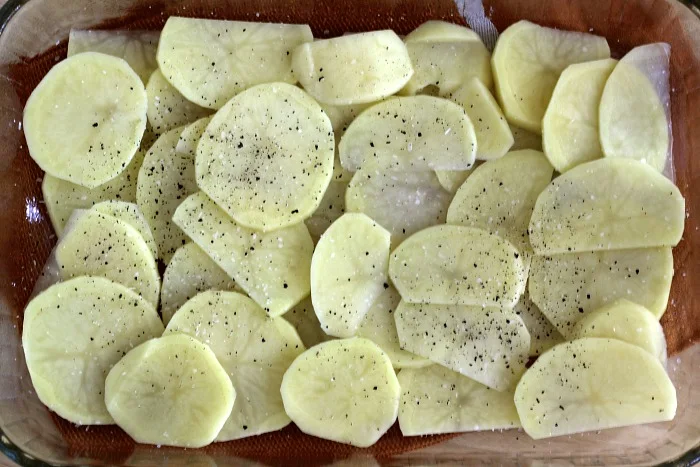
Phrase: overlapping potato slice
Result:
[331,208]
[132,215]
[73,333]
[524,139]
[84,121]
[608,204]
[167,108]
[341,116]
[348,272]
[170,391]
[487,344]
[441,31]
[451,180]
[190,136]
[543,334]
[591,384]
[437,400]
[527,62]
[353,69]
[273,267]
[266,157]
[210,61]
[344,390]
[303,317]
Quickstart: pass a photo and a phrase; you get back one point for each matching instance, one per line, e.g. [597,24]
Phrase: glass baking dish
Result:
[33,35]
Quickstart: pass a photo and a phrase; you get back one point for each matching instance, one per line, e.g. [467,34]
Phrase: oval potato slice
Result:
[132,215]
[167,108]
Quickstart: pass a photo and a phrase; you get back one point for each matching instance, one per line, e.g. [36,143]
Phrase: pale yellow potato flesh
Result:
[132,215]
[331,208]
[441,31]
[543,334]
[167,108]
[303,317]
[451,180]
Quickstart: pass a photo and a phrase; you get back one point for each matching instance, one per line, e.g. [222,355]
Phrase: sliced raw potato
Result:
[167,108]
[499,196]
[353,69]
[273,267]
[348,272]
[266,157]
[344,390]
[379,327]
[73,333]
[341,116]
[331,208]
[608,384]
[305,321]
[170,391]
[437,400]
[566,287]
[608,204]
[489,345]
[451,180]
[493,135]
[84,121]
[132,215]
[570,126]
[138,48]
[401,202]
[101,245]
[527,62]
[449,264]
[441,31]
[412,134]
[166,178]
[209,61]
[543,334]
[524,139]
[635,117]
[189,272]
[255,351]
[628,322]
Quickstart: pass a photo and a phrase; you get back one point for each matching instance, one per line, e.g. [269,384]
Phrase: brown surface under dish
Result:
[26,237]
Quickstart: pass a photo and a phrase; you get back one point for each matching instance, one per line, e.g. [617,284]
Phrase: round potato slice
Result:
[608,204]
[304,319]
[132,215]
[267,156]
[348,272]
[449,264]
[344,390]
[441,31]
[170,391]
[253,349]
[451,180]
[543,334]
[527,62]
[437,400]
[608,384]
[331,208]
[73,333]
[167,108]
[84,121]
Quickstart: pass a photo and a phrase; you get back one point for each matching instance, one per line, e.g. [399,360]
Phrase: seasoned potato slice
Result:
[167,108]
[543,334]
[303,317]
[132,215]
[331,208]
[451,180]
[341,117]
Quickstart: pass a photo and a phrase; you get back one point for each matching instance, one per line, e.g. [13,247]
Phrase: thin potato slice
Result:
[566,287]
[524,139]
[209,61]
[253,349]
[437,400]
[170,391]
[304,319]
[132,215]
[84,121]
[527,62]
[341,116]
[344,390]
[167,108]
[331,208]
[608,384]
[441,31]
[486,344]
[451,180]
[353,69]
[73,333]
[273,267]
[266,157]
[412,134]
[450,264]
[190,136]
[608,204]
[543,334]
[348,272]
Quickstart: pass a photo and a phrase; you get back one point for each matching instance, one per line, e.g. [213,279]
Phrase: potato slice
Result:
[570,126]
[348,272]
[344,390]
[353,69]
[189,272]
[167,108]
[608,383]
[190,136]
[449,264]
[608,204]
[210,61]
[304,319]
[451,180]
[412,134]
[543,334]
[566,287]
[401,202]
[331,208]
[73,333]
[437,400]
[441,31]
[524,139]
[253,349]
[341,116]
[132,215]
[527,62]
[500,195]
[487,344]
[635,117]
[170,391]
[628,322]
[266,157]
[74,129]
[273,267]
